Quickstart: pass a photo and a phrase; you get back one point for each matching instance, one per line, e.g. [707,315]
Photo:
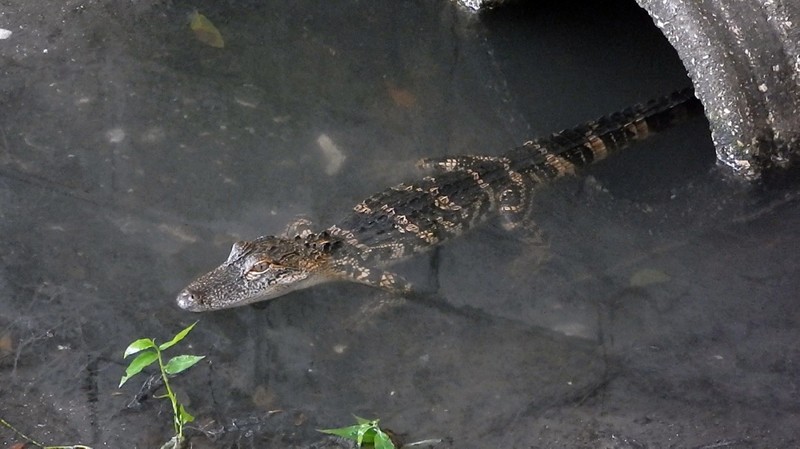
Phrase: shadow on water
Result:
[661,311]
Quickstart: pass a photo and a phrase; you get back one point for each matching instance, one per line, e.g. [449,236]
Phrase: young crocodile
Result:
[410,218]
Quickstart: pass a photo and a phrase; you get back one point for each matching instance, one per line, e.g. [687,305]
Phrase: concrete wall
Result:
[744,59]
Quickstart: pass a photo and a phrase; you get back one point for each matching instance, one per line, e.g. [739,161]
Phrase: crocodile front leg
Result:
[351,267]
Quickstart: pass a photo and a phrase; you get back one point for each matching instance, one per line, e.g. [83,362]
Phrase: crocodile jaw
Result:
[224,288]
[259,270]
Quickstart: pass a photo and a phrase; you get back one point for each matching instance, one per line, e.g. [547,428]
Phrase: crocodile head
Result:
[260,269]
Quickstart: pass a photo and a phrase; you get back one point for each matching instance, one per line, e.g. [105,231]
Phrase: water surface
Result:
[660,311]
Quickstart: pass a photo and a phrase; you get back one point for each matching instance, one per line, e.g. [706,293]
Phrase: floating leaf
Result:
[178,337]
[181,363]
[401,97]
[205,31]
[6,345]
[141,362]
[648,276]
[139,345]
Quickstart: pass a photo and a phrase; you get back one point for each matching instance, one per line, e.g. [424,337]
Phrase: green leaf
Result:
[141,362]
[344,432]
[366,434]
[184,416]
[181,363]
[382,440]
[178,337]
[364,421]
[139,345]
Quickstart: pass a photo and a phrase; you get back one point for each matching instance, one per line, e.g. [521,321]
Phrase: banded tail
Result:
[590,142]
[564,151]
[509,180]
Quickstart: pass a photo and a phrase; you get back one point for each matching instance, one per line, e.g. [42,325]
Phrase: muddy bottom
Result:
[660,309]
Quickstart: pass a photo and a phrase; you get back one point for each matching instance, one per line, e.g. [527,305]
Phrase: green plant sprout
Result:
[149,353]
[366,431]
[36,443]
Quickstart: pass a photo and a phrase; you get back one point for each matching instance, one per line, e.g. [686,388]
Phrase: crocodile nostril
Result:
[187,299]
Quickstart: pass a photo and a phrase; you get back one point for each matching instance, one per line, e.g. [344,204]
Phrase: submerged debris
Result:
[648,276]
[333,155]
[403,98]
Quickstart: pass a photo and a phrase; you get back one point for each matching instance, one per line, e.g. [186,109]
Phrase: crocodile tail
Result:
[593,141]
[565,151]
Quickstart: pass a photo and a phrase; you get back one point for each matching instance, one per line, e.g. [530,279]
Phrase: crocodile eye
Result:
[259,268]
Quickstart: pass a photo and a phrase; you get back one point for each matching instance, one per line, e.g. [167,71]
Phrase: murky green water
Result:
[661,312]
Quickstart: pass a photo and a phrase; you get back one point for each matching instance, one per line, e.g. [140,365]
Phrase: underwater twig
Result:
[36,443]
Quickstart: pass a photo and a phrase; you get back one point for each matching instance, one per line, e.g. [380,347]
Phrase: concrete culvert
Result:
[744,60]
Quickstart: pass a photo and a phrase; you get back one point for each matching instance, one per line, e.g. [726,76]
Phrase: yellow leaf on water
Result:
[205,31]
